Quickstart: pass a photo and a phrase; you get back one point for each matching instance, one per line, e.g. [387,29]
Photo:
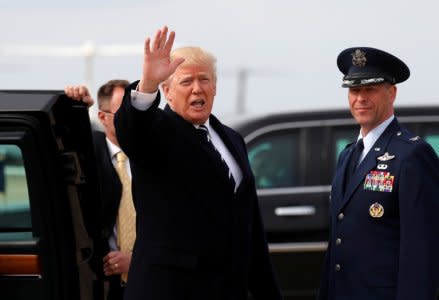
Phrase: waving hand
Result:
[157,65]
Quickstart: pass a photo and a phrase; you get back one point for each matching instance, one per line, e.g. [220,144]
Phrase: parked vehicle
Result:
[293,157]
[48,192]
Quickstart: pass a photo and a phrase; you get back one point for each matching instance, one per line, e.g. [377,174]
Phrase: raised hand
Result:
[157,65]
[79,93]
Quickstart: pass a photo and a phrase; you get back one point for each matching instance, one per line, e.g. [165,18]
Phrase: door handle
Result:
[295,211]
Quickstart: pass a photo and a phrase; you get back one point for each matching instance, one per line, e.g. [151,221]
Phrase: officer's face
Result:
[190,93]
[371,105]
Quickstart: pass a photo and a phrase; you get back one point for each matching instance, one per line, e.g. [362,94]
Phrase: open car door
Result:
[49,198]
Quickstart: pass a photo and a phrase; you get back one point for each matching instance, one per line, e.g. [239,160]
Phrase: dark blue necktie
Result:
[204,135]
[353,161]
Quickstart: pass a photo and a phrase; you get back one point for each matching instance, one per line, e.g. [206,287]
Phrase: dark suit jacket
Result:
[110,191]
[196,239]
[394,256]
[110,185]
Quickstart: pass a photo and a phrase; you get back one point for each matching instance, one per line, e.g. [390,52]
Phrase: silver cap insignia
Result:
[359,58]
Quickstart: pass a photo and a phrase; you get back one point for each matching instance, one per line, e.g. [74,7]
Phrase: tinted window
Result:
[274,161]
[14,197]
[342,137]
[433,140]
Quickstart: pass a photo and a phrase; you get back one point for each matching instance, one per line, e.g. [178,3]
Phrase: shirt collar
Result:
[112,148]
[207,124]
[373,135]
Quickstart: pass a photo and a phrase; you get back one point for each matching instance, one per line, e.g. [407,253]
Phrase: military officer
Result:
[384,240]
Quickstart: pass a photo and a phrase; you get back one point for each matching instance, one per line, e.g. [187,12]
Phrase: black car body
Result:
[49,192]
[293,156]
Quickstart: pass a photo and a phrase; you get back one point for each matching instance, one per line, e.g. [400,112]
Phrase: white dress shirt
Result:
[373,135]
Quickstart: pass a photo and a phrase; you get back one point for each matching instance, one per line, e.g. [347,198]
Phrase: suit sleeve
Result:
[134,127]
[418,276]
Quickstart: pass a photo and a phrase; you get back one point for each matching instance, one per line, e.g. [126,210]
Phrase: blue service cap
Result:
[367,66]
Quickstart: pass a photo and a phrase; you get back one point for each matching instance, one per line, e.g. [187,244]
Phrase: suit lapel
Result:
[231,144]
[189,131]
[110,186]
[368,163]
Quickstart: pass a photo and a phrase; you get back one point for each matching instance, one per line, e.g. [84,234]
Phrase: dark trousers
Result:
[115,290]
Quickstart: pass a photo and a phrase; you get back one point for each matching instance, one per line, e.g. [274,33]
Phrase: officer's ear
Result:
[392,89]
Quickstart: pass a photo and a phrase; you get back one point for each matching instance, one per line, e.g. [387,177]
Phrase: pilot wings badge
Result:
[386,157]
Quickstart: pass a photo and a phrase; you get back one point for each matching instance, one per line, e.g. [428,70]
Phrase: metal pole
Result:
[241,91]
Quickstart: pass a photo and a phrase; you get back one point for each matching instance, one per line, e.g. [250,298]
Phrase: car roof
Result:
[247,123]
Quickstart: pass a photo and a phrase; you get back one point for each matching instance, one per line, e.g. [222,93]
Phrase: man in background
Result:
[116,261]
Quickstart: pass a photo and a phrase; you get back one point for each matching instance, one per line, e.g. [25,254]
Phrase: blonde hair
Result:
[194,56]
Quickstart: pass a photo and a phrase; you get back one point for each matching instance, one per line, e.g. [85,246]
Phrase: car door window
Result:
[341,138]
[433,140]
[274,161]
[14,197]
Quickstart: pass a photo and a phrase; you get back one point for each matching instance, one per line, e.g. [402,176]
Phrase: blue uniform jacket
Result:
[384,241]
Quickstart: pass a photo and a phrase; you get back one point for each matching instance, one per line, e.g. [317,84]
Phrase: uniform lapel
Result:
[368,163]
[337,184]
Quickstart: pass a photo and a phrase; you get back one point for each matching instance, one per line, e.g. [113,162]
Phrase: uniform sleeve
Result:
[418,276]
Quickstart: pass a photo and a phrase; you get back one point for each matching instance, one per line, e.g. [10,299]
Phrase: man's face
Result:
[371,105]
[190,93]
[106,115]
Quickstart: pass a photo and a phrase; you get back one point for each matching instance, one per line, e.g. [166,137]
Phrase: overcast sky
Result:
[288,48]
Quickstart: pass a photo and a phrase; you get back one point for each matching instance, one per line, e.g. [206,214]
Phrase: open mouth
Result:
[198,103]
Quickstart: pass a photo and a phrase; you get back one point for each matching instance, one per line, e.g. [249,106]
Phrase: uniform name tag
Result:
[379,181]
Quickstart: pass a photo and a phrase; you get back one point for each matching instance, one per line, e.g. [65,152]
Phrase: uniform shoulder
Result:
[405,136]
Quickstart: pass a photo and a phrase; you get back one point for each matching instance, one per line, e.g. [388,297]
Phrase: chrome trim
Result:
[330,122]
[413,119]
[37,276]
[291,125]
[295,211]
[295,190]
[298,247]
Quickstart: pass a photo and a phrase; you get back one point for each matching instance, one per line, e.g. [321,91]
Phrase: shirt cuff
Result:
[142,101]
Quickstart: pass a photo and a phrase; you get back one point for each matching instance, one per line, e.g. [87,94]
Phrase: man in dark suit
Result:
[114,261]
[199,229]
[384,240]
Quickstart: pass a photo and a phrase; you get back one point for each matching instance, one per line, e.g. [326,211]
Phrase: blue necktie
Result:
[206,139]
[353,162]
[355,157]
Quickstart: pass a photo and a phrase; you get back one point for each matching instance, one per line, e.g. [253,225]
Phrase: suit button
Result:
[337,267]
[338,241]
[340,216]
